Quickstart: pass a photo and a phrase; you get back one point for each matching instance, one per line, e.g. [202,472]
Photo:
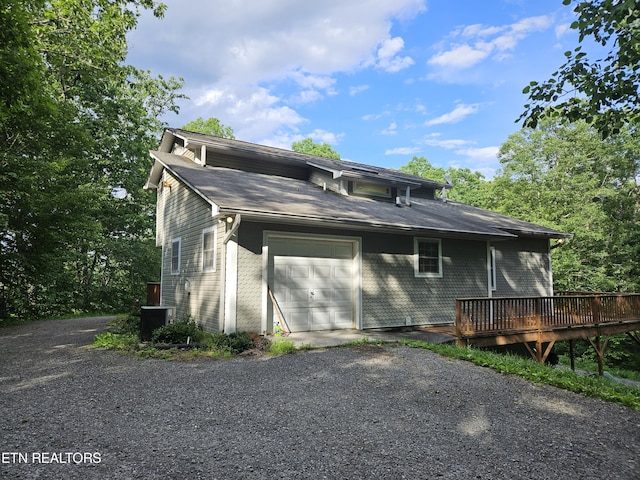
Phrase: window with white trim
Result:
[209,238]
[175,256]
[427,257]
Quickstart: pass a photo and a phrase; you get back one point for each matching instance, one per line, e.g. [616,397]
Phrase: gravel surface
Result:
[362,412]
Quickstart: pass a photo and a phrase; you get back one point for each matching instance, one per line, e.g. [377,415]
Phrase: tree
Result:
[76,125]
[319,149]
[602,92]
[566,177]
[467,186]
[211,126]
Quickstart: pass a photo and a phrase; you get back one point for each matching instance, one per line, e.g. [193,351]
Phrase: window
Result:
[492,268]
[428,257]
[175,256]
[209,250]
[369,189]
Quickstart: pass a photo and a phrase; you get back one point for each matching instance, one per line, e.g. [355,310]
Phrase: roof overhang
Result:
[350,224]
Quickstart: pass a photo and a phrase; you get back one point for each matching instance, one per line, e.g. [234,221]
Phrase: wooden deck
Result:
[507,320]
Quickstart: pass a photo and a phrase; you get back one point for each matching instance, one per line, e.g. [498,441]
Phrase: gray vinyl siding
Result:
[184,215]
[249,302]
[392,295]
[523,268]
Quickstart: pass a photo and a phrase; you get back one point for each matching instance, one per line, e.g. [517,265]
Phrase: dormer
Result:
[339,176]
[347,178]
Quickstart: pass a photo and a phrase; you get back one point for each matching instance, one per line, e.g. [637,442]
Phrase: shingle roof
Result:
[346,168]
[263,196]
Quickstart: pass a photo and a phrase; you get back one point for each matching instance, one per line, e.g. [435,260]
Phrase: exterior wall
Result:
[184,214]
[393,296]
[523,268]
[249,303]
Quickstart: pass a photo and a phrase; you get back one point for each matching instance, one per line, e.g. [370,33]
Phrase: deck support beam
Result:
[600,349]
[539,353]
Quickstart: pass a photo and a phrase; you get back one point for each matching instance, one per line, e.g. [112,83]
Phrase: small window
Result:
[492,268]
[369,189]
[428,257]
[175,256]
[209,250]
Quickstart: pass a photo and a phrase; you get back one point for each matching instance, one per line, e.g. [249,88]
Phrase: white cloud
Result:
[286,139]
[562,30]
[456,115]
[434,140]
[461,56]
[358,89]
[471,45]
[388,59]
[251,111]
[392,129]
[403,151]
[236,54]
[483,153]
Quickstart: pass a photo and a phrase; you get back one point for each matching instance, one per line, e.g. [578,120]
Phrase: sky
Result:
[381,81]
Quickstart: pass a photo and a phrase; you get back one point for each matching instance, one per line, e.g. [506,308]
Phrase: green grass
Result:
[281,346]
[591,386]
[591,366]
[116,341]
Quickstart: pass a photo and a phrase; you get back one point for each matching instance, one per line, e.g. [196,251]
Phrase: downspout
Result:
[223,290]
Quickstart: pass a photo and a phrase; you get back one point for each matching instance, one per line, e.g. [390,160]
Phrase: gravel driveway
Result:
[368,412]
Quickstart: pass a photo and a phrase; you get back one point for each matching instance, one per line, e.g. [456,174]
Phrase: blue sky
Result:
[381,81]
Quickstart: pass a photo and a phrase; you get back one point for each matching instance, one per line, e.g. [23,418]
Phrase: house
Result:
[254,236]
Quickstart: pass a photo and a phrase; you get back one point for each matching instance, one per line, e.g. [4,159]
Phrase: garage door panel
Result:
[299,271]
[343,318]
[322,272]
[297,320]
[298,297]
[321,295]
[342,296]
[315,284]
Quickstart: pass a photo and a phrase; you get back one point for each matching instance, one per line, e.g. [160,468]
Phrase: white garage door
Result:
[313,283]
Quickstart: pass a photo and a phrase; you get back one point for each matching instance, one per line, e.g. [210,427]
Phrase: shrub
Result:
[233,342]
[127,323]
[177,332]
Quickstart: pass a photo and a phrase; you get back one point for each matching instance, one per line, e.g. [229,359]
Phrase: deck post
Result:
[459,323]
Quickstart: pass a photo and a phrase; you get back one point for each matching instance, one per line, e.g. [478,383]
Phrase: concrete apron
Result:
[332,338]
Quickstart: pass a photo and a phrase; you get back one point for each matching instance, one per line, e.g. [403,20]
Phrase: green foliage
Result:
[538,373]
[76,123]
[116,341]
[566,177]
[211,126]
[233,342]
[319,149]
[177,333]
[127,324]
[622,353]
[467,186]
[602,91]
[281,346]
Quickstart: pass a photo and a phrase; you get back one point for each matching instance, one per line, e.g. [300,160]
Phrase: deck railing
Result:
[490,316]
